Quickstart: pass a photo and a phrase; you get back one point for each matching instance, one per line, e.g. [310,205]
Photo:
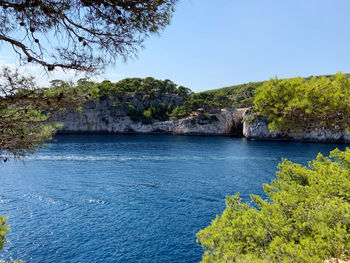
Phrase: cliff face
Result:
[258,129]
[105,117]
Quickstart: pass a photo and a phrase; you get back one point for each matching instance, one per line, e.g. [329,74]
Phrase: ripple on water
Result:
[141,158]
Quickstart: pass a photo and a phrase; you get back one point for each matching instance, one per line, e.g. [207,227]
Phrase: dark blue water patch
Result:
[131,198]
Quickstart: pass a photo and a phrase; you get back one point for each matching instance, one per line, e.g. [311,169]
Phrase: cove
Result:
[131,198]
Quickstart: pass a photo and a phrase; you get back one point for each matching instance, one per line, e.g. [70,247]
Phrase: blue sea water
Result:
[131,198]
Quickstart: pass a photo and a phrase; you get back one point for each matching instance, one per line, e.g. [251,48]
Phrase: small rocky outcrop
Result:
[258,129]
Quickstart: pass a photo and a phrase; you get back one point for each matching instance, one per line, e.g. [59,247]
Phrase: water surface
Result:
[131,198]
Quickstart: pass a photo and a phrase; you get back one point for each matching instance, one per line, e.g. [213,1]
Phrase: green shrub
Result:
[181,111]
[147,116]
[306,217]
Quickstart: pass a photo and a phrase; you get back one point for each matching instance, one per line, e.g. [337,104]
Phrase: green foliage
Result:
[151,112]
[182,111]
[148,115]
[183,92]
[203,100]
[26,112]
[306,217]
[300,104]
[99,32]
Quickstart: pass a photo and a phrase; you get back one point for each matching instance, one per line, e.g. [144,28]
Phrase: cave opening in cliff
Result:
[237,129]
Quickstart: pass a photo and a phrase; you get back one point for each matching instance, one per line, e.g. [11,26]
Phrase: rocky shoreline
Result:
[103,117]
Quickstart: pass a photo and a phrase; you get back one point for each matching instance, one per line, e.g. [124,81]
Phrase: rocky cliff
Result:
[105,117]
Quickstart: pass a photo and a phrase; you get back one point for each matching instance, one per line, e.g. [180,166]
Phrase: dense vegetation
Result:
[140,87]
[306,217]
[299,104]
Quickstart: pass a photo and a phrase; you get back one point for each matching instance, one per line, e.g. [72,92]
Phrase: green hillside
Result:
[241,95]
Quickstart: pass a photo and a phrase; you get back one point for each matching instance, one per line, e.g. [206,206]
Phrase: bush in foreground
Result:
[306,217]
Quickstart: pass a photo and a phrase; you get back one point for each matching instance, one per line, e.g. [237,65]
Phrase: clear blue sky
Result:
[212,44]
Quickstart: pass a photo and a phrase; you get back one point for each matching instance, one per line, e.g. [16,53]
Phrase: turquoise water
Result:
[131,198]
